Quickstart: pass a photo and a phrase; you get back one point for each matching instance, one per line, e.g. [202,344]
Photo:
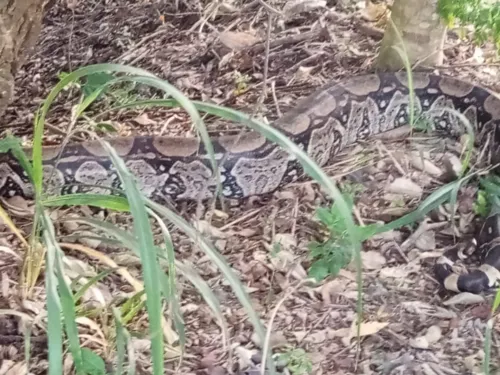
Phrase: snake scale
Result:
[336,115]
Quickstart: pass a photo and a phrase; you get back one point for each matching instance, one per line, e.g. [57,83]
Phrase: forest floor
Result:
[412,326]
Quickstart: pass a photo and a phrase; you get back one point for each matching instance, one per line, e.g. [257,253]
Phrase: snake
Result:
[322,124]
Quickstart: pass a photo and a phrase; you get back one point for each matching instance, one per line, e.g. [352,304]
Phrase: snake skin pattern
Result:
[337,115]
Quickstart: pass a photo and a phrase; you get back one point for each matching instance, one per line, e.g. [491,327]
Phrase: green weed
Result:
[297,361]
[334,253]
[483,15]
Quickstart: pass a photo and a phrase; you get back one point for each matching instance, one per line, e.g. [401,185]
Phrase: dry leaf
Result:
[18,206]
[316,337]
[367,328]
[426,241]
[372,260]
[303,73]
[220,214]
[397,272]
[89,323]
[247,232]
[244,356]
[285,240]
[143,119]
[333,288]
[405,186]
[299,335]
[93,243]
[237,40]
[18,368]
[341,332]
[433,334]
[294,7]
[276,340]
[419,343]
[374,12]
[470,363]
[225,7]
[75,267]
[452,166]
[419,162]
[204,227]
[464,299]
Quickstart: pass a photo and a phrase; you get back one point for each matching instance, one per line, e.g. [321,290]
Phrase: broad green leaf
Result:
[92,363]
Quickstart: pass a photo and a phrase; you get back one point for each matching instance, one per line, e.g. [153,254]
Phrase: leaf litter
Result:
[218,55]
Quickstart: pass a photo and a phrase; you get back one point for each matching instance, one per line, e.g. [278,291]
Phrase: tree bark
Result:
[422,31]
[20,24]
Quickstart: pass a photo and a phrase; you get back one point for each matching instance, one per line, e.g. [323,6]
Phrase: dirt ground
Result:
[412,327]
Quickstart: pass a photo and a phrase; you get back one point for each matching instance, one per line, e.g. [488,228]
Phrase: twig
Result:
[275,99]
[422,228]
[263,95]
[368,30]
[266,343]
[464,65]
[266,62]
[383,150]
[292,39]
[56,130]
[246,216]
[310,59]
[127,55]
[270,9]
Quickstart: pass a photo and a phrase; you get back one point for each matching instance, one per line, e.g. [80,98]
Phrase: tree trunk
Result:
[422,31]
[20,24]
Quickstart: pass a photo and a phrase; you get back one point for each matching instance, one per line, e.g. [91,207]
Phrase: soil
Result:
[411,326]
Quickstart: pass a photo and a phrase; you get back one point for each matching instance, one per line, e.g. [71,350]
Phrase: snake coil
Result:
[337,115]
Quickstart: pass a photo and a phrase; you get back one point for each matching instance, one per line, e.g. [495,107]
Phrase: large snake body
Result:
[322,124]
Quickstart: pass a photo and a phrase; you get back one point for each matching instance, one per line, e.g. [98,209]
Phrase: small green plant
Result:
[298,363]
[122,93]
[481,205]
[351,188]
[331,255]
[241,83]
[483,15]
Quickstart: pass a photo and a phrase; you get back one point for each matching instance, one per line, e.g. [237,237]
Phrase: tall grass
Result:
[60,298]
[158,262]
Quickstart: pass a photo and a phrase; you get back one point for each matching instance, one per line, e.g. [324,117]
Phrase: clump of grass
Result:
[62,300]
[482,15]
[298,363]
[334,253]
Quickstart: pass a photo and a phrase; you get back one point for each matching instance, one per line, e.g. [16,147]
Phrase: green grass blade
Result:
[432,202]
[124,238]
[403,54]
[221,263]
[191,109]
[91,282]
[496,302]
[66,297]
[42,113]
[54,325]
[121,341]
[487,347]
[169,282]
[144,234]
[13,144]
[111,202]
